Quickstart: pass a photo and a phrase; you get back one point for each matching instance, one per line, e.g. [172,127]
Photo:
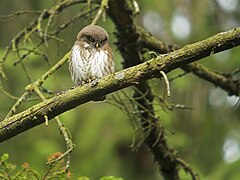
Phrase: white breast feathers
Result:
[87,64]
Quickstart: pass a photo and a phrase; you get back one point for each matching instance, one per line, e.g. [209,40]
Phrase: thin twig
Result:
[9,17]
[7,93]
[69,144]
[103,7]
[52,35]
[188,169]
[39,82]
[166,82]
[64,131]
[32,27]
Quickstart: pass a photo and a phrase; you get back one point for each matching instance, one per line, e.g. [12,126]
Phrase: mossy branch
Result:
[230,85]
[122,79]
[30,88]
[227,83]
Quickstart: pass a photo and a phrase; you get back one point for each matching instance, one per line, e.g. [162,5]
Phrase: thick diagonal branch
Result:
[130,76]
[228,84]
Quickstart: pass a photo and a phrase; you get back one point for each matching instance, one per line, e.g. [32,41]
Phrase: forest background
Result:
[205,133]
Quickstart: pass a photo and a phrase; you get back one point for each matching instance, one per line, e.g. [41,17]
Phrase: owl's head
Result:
[93,35]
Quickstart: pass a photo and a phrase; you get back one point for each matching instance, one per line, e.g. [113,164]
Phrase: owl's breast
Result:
[98,64]
[78,65]
[89,63]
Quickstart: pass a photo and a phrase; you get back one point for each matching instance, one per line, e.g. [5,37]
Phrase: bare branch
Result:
[39,82]
[166,83]
[34,26]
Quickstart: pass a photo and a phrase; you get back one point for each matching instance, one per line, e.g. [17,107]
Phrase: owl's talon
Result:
[94,82]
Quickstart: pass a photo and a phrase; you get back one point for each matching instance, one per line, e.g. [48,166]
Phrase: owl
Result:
[91,57]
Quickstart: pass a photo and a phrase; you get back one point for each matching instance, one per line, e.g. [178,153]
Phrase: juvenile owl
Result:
[91,57]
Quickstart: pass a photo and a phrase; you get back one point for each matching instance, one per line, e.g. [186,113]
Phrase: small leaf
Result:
[4,157]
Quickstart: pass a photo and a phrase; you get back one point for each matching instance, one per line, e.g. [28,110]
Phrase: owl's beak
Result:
[97,45]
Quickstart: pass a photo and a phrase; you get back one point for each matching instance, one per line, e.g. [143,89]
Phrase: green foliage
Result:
[56,171]
[11,171]
[102,134]
[57,168]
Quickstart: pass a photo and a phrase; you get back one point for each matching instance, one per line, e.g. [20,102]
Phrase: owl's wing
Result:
[110,59]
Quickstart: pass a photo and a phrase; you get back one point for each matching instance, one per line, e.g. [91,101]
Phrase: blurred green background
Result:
[207,137]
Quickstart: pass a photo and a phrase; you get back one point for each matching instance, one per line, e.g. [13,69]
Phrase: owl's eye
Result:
[91,39]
